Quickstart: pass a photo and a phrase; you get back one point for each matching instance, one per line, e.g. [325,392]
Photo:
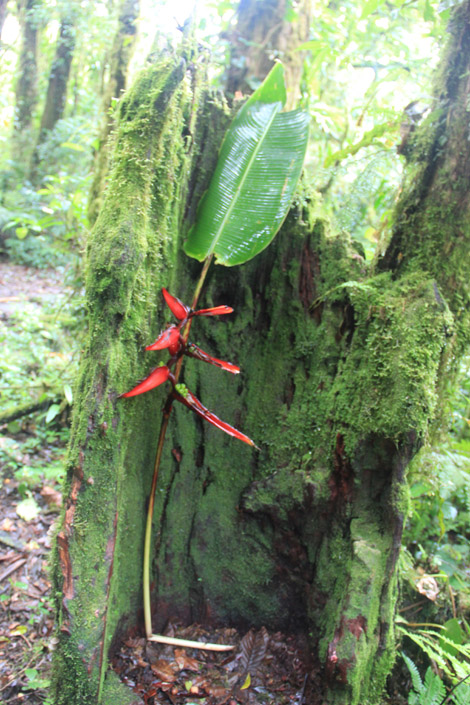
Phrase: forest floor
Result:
[27,513]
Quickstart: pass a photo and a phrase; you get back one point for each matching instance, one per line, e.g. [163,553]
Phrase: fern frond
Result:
[461,694]
[414,673]
[434,688]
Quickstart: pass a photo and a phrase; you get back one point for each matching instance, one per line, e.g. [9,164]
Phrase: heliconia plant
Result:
[177,346]
[247,200]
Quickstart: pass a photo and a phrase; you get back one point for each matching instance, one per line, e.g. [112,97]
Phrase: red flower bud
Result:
[154,379]
[169,337]
[177,307]
[195,351]
[192,402]
[216,311]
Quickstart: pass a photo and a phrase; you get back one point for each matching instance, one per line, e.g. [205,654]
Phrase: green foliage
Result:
[433,691]
[254,180]
[365,63]
[437,533]
[38,364]
[38,354]
[46,226]
[447,646]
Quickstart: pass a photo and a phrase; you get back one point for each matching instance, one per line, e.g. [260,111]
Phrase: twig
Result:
[410,607]
[17,675]
[452,690]
[454,611]
[11,568]
[190,644]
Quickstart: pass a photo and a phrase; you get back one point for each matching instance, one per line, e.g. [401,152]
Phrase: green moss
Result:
[388,383]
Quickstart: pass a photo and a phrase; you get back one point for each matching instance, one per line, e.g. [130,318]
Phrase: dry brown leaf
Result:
[217,691]
[52,496]
[185,662]
[163,670]
[428,586]
[7,525]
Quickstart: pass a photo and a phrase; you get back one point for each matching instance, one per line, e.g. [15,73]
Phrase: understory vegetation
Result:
[365,83]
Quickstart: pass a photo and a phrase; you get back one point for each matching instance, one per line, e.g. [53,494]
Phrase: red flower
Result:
[177,307]
[182,394]
[154,379]
[169,338]
[181,311]
[216,311]
[172,340]
[195,351]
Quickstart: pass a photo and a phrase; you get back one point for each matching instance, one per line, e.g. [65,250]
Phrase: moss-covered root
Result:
[98,553]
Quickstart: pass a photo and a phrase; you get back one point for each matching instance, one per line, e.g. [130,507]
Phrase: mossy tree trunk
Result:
[121,54]
[26,85]
[59,74]
[343,367]
[267,30]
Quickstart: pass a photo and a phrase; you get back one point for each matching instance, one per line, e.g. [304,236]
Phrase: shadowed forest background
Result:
[347,535]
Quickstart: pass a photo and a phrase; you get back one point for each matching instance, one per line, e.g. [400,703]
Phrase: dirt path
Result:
[19,284]
[26,621]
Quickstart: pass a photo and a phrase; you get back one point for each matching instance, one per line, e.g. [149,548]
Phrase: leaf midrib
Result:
[240,185]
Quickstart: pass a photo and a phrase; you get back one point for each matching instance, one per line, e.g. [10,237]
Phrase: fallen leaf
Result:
[52,496]
[185,662]
[428,586]
[247,683]
[18,630]
[7,525]
[163,670]
[28,509]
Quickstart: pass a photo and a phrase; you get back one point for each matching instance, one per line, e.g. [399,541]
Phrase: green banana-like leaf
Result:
[252,187]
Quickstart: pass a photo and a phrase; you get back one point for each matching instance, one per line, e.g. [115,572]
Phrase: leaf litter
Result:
[26,621]
[262,668]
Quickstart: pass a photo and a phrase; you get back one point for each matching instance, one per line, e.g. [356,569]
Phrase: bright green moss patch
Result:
[388,382]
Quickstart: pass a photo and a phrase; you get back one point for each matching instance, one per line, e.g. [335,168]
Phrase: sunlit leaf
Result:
[52,412]
[28,509]
[73,145]
[254,181]
[68,393]
[247,683]
[21,232]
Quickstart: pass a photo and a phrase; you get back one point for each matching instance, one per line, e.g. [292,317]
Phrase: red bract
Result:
[192,402]
[216,311]
[154,379]
[172,340]
[177,307]
[196,352]
[167,339]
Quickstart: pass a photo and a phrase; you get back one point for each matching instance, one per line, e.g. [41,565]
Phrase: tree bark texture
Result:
[26,86]
[264,32]
[59,74]
[343,368]
[121,54]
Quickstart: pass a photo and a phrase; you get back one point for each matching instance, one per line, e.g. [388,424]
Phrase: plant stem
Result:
[158,456]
